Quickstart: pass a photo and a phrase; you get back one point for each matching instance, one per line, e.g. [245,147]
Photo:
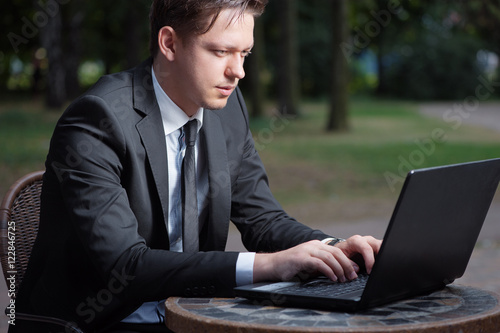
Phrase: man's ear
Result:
[167,39]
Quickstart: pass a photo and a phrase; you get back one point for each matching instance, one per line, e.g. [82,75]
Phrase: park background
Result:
[344,97]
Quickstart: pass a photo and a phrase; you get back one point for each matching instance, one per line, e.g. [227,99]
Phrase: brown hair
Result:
[194,17]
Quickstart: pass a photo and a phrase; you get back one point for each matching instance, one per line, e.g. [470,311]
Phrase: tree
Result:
[482,17]
[375,26]
[51,40]
[136,33]
[338,115]
[288,67]
[435,54]
[75,13]
[254,64]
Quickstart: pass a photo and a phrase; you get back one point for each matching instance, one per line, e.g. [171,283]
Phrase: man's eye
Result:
[245,53]
[220,53]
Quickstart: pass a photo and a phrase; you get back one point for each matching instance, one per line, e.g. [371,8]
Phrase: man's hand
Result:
[314,257]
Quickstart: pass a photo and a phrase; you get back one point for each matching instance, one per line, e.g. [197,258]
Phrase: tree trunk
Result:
[288,81]
[382,85]
[73,47]
[254,65]
[381,46]
[338,116]
[50,38]
[132,34]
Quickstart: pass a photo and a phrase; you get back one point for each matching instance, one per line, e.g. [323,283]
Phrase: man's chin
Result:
[216,105]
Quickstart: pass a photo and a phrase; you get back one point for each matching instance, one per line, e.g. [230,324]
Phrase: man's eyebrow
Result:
[217,46]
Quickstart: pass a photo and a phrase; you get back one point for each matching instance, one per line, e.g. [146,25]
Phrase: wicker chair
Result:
[19,218]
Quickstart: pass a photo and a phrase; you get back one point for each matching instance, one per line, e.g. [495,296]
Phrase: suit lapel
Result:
[219,193]
[150,129]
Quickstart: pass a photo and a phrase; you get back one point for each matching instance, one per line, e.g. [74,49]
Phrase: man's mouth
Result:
[225,90]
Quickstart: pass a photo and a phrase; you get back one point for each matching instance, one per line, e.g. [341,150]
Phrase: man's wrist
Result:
[263,268]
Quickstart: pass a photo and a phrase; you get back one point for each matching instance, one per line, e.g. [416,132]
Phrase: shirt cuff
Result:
[244,268]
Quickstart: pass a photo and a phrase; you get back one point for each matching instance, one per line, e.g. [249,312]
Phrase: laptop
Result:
[427,245]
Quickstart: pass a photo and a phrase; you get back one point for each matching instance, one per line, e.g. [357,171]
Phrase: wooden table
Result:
[453,309]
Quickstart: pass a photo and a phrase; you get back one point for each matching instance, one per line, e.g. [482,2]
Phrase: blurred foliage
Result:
[434,67]
[418,49]
[112,36]
[435,57]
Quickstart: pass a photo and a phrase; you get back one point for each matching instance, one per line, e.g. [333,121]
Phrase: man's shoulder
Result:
[111,83]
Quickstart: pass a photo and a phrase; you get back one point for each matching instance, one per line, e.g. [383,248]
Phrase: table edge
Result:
[178,318]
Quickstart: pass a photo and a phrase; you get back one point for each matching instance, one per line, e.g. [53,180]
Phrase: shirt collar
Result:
[172,116]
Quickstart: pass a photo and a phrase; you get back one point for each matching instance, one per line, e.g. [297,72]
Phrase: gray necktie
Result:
[190,232]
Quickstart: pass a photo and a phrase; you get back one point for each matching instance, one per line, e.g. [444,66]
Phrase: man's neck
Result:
[164,77]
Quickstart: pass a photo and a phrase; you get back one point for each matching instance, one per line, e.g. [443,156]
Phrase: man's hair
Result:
[194,17]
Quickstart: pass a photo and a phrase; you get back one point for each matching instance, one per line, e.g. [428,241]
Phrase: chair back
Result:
[19,219]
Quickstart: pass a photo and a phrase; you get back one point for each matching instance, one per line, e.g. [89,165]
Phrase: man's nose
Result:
[235,67]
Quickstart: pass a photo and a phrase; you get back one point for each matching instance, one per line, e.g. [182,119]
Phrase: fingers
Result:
[368,250]
[332,267]
[333,262]
[366,246]
[343,266]
[314,257]
[316,265]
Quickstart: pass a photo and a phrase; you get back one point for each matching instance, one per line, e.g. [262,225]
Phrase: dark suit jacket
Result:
[102,248]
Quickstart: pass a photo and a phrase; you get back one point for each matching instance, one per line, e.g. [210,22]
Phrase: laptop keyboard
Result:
[326,287]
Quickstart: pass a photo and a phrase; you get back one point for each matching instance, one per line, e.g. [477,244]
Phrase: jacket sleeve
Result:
[87,164]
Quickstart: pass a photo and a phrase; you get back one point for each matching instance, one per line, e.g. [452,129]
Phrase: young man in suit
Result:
[111,245]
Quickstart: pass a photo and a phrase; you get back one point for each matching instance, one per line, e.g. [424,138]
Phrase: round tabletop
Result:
[453,309]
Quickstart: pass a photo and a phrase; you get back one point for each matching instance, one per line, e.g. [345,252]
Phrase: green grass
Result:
[25,130]
[385,140]
[306,165]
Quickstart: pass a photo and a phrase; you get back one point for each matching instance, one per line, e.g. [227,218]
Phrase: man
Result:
[111,246]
